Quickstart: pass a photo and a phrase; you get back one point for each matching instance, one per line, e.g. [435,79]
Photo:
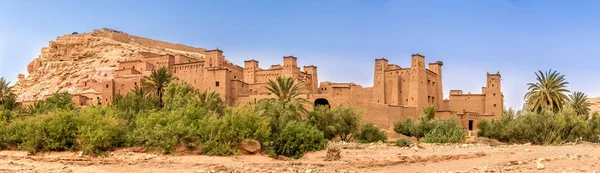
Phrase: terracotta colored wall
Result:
[468,102]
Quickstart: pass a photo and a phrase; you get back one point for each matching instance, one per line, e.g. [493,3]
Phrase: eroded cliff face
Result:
[74,62]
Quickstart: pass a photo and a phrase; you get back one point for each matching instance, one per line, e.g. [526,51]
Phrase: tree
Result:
[429,112]
[211,100]
[159,80]
[548,92]
[579,102]
[5,90]
[288,92]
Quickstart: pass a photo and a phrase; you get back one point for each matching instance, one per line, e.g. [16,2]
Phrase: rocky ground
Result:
[583,157]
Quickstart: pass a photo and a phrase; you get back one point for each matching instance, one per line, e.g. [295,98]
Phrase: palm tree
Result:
[549,93]
[5,90]
[288,92]
[579,102]
[159,80]
[429,112]
[286,89]
[211,100]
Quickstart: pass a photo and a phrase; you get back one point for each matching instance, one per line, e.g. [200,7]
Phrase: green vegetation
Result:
[550,116]
[433,130]
[369,133]
[337,122]
[158,80]
[579,102]
[548,93]
[403,142]
[175,116]
[541,128]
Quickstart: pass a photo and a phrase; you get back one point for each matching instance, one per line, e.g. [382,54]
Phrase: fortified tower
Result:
[438,95]
[379,81]
[214,58]
[494,99]
[250,68]
[290,66]
[314,83]
[417,82]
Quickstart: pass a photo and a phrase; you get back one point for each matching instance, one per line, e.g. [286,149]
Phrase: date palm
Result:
[288,92]
[579,102]
[158,81]
[548,93]
[211,100]
[5,90]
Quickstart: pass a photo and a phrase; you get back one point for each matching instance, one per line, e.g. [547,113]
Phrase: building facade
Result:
[397,92]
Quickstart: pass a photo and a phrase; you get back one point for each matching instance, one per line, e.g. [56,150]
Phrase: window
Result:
[494,105]
[492,85]
[494,94]
[107,86]
[135,83]
[428,81]
[217,83]
[432,99]
[133,67]
[433,83]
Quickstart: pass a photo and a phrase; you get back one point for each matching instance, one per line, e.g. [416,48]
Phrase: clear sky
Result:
[472,37]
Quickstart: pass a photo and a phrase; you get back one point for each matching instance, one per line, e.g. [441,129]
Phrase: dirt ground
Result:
[584,157]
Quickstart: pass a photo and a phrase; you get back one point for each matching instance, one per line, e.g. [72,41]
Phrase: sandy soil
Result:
[583,157]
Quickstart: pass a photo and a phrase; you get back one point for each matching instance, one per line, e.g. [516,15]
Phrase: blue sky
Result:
[342,38]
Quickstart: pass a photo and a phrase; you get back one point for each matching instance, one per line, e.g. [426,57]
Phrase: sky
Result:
[341,37]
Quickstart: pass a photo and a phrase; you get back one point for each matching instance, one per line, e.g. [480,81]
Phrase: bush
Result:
[58,101]
[370,133]
[55,131]
[445,131]
[540,128]
[297,138]
[100,130]
[403,142]
[222,135]
[163,131]
[338,121]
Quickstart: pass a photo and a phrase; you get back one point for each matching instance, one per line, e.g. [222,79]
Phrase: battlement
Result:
[290,56]
[417,55]
[215,50]
[381,59]
[440,63]
[494,74]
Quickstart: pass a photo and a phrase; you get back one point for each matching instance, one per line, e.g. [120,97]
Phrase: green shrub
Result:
[403,142]
[54,131]
[222,135]
[369,133]
[162,131]
[338,121]
[296,138]
[100,130]
[540,128]
[445,131]
[58,101]
[179,95]
[403,127]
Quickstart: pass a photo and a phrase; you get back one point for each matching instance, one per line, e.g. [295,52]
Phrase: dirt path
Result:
[355,158]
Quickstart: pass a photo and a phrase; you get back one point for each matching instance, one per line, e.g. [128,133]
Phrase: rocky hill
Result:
[73,60]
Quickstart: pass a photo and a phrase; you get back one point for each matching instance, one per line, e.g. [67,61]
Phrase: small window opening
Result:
[217,83]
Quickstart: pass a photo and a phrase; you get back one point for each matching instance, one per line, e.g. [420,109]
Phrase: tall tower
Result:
[436,67]
[379,80]
[250,68]
[314,81]
[494,99]
[290,66]
[417,91]
[214,58]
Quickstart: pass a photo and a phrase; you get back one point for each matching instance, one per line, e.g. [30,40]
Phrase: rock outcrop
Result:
[73,62]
